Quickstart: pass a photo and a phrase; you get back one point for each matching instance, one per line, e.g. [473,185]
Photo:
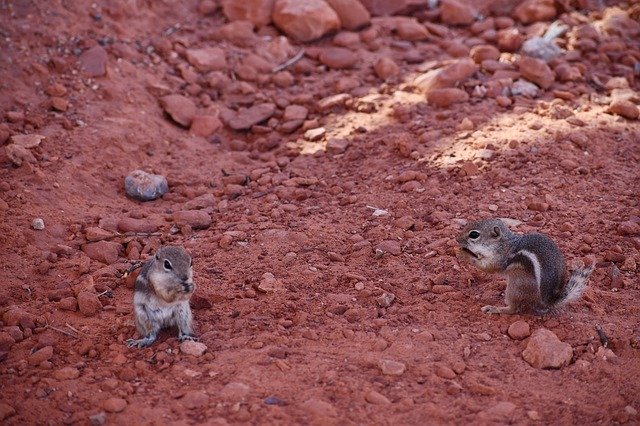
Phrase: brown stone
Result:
[447,76]
[535,10]
[624,109]
[180,108]
[545,350]
[305,21]
[93,61]
[454,12]
[483,52]
[519,330]
[244,119]
[445,97]
[197,219]
[411,30]
[338,57]
[89,303]
[205,125]
[352,13]
[537,71]
[207,59]
[258,12]
[103,251]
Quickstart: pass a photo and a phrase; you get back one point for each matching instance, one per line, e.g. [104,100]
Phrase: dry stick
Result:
[72,328]
[61,331]
[289,62]
[603,337]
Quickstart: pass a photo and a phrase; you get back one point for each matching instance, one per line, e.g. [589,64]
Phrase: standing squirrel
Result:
[534,266]
[161,296]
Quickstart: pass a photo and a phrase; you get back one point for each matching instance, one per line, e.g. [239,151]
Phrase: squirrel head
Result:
[171,274]
[485,244]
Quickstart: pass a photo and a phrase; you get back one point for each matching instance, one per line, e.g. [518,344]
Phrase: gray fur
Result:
[534,266]
[161,296]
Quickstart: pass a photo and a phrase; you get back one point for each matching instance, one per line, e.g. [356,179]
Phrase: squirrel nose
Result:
[187,286]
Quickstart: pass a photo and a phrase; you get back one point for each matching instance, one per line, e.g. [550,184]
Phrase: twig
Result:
[71,327]
[59,330]
[603,337]
[289,62]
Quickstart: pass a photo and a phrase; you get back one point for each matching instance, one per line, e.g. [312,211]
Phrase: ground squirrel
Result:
[161,296]
[534,266]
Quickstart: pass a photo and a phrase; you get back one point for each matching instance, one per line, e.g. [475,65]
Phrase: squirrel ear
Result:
[496,231]
[157,257]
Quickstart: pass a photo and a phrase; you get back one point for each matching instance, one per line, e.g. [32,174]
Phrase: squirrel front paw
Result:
[140,343]
[490,309]
[185,337]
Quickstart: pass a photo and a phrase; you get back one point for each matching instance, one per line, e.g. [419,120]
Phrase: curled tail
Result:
[575,286]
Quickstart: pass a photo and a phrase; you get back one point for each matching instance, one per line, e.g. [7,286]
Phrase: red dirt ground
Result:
[309,350]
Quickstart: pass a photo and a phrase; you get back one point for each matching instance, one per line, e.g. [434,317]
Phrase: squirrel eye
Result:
[167,265]
[474,235]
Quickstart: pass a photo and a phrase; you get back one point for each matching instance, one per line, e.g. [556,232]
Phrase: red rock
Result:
[538,206]
[19,155]
[617,22]
[205,125]
[258,12]
[207,59]
[384,7]
[6,411]
[447,96]
[17,316]
[239,33]
[6,341]
[93,61]
[193,348]
[448,76]
[454,12]
[56,89]
[243,120]
[545,350]
[338,57]
[353,15]
[337,146]
[68,304]
[295,112]
[411,30]
[536,71]
[59,104]
[535,10]
[197,219]
[41,355]
[103,251]
[94,233]
[626,109]
[519,330]
[566,72]
[389,246]
[180,108]
[129,224]
[484,52]
[89,303]
[201,202]
[376,398]
[385,67]
[392,368]
[114,405]
[27,141]
[207,7]
[66,373]
[510,40]
[195,399]
[305,21]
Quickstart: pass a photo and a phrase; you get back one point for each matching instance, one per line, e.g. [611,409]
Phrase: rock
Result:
[386,299]
[6,411]
[59,104]
[545,350]
[37,224]
[617,22]
[244,119]
[66,373]
[538,47]
[234,391]
[27,141]
[93,61]
[130,224]
[338,57]
[566,72]
[269,283]
[483,52]
[384,7]
[103,251]
[258,12]
[6,341]
[207,59]
[392,368]
[16,316]
[332,101]
[197,219]
[624,109]
[68,304]
[201,202]
[95,233]
[41,355]
[502,411]
[319,408]
[524,88]
[315,134]
[445,97]
[353,15]
[143,186]
[114,405]
[376,398]
[18,154]
[447,76]
[295,112]
[454,12]
[535,10]
[193,348]
[410,29]
[205,125]
[98,419]
[305,21]
[337,146]
[519,330]
[14,332]
[89,303]
[389,246]
[386,67]
[536,71]
[180,108]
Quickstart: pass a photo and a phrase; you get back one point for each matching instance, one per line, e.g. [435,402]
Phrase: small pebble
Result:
[114,405]
[37,224]
[193,348]
[143,186]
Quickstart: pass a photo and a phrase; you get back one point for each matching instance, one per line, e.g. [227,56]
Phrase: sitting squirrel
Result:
[534,266]
[161,296]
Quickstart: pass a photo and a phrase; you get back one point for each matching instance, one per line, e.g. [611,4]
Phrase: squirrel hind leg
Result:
[498,309]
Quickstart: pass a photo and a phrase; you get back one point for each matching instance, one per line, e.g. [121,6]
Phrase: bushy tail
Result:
[575,286]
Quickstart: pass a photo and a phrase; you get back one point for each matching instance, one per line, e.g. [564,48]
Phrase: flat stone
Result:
[103,251]
[446,97]
[376,398]
[353,15]
[535,10]
[234,391]
[385,68]
[305,21]
[129,224]
[114,405]
[143,186]
[319,408]
[66,373]
[41,355]
[93,61]
[338,57]
[315,134]
[258,12]
[454,12]
[205,125]
[392,368]
[389,246]
[337,146]
[249,117]
[624,109]
[207,59]
[536,71]
[18,155]
[295,112]
[180,108]
[197,219]
[89,303]
[195,399]
[27,141]
[193,348]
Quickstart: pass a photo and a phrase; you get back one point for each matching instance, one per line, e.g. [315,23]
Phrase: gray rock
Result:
[143,186]
[524,88]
